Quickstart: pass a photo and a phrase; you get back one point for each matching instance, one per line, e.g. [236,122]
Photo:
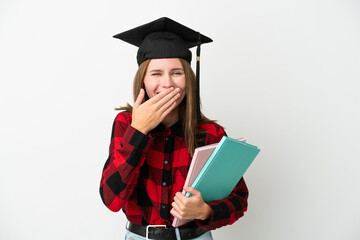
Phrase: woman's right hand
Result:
[148,115]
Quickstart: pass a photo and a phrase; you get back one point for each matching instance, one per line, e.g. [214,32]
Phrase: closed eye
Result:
[178,73]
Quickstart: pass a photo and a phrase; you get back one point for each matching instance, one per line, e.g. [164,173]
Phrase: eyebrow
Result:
[173,69]
[176,69]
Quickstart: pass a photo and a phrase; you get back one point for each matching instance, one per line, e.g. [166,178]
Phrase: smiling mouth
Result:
[158,93]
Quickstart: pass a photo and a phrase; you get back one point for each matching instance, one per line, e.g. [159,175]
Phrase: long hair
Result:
[187,108]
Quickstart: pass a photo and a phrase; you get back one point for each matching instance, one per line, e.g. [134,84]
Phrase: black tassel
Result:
[198,78]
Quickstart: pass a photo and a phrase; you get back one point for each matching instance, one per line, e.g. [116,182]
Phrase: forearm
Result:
[121,171]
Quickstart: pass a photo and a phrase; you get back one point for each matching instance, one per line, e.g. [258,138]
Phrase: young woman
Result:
[153,141]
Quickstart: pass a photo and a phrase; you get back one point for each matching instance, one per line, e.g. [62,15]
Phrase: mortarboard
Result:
[165,38]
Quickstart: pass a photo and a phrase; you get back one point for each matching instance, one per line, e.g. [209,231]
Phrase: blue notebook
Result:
[224,168]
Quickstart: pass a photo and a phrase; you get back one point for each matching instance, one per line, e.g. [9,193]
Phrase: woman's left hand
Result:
[192,207]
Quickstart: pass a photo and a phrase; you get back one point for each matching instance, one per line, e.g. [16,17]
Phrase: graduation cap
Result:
[165,38]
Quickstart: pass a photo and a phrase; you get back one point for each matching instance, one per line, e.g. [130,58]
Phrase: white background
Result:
[283,74]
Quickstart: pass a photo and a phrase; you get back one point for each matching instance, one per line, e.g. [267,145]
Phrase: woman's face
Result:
[162,74]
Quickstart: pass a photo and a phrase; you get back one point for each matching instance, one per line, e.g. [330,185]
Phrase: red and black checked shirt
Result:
[143,173]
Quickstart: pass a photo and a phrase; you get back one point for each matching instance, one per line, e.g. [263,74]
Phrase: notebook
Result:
[200,159]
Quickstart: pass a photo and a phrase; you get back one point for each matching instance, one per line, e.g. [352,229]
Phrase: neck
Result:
[171,118]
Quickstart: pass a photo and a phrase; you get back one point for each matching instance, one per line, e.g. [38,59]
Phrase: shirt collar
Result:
[175,129]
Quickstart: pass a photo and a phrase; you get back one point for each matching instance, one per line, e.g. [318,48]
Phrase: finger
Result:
[175,213]
[180,200]
[161,95]
[191,190]
[139,98]
[169,96]
[176,206]
[165,106]
[167,111]
[160,102]
[178,211]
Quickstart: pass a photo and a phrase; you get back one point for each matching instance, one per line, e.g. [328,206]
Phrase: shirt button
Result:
[164,183]
[166,162]
[167,139]
[163,205]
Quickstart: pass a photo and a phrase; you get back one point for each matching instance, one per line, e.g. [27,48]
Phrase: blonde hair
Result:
[187,108]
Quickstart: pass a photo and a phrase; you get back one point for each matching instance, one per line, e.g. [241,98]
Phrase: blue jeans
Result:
[132,236]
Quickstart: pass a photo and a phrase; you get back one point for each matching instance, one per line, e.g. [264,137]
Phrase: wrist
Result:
[140,129]
[207,212]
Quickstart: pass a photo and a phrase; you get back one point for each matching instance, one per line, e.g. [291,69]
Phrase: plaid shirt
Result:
[143,173]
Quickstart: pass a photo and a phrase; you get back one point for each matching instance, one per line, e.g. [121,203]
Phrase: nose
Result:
[166,81]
